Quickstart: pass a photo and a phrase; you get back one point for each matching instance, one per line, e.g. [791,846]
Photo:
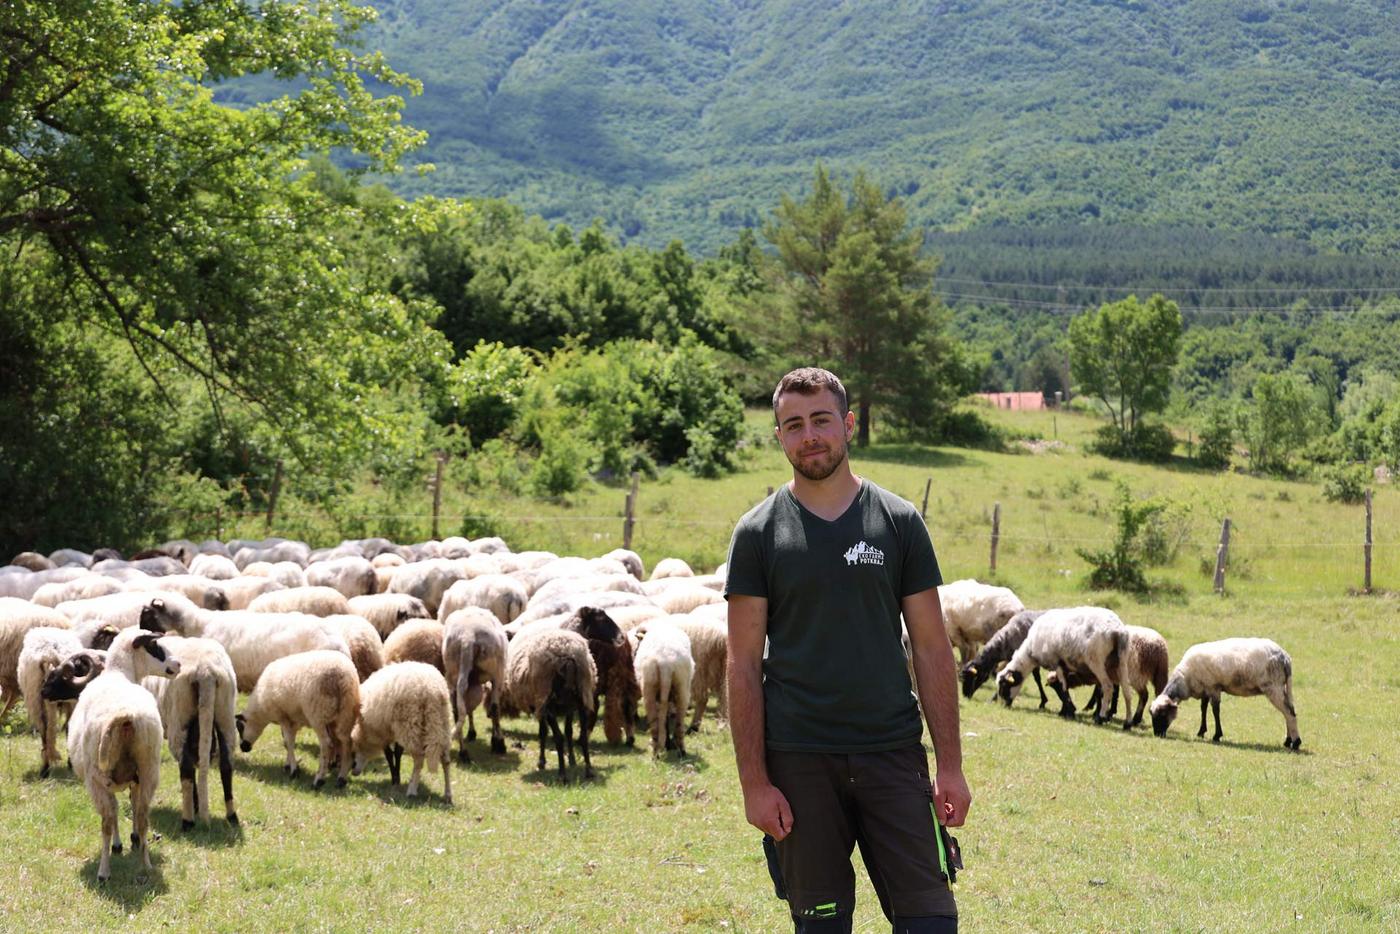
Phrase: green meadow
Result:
[1073,827]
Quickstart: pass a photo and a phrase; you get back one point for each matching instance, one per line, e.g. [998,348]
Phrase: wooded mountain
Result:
[687,118]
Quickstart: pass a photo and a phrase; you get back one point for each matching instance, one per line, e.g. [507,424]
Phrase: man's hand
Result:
[951,797]
[768,810]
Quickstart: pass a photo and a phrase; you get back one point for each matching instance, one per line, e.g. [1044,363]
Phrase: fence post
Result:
[272,496]
[628,519]
[1221,556]
[1368,541]
[923,511]
[437,492]
[996,534]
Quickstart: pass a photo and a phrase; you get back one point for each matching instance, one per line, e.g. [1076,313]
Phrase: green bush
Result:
[1146,442]
[1217,437]
[1120,566]
[1345,484]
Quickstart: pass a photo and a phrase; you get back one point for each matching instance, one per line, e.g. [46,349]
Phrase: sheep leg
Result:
[558,746]
[1205,701]
[585,727]
[701,701]
[1107,689]
[344,753]
[654,720]
[1136,718]
[447,776]
[1067,708]
[1215,709]
[45,739]
[226,774]
[493,710]
[141,794]
[417,774]
[106,803]
[1282,698]
[189,795]
[569,734]
[393,765]
[1035,673]
[326,753]
[9,698]
[459,705]
[289,740]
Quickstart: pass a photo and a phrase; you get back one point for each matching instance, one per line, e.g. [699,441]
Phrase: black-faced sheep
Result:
[665,668]
[317,689]
[1242,667]
[44,649]
[973,612]
[473,657]
[550,674]
[17,617]
[406,708]
[998,651]
[1068,640]
[617,676]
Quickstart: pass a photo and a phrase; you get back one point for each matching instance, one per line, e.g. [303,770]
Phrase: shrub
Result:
[1345,484]
[1146,442]
[1217,437]
[1120,566]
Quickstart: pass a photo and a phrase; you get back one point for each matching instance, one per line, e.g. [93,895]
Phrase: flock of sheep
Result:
[384,648]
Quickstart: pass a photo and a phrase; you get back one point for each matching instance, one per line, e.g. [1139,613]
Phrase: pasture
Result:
[1073,827]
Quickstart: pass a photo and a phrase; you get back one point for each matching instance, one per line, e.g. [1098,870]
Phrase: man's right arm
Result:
[764,805]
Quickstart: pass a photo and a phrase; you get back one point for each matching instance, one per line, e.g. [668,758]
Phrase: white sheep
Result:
[387,611]
[198,590]
[317,601]
[973,612]
[81,588]
[286,573]
[418,640]
[271,551]
[630,560]
[665,668]
[502,594]
[426,580]
[1070,640]
[681,600]
[1145,665]
[550,674]
[366,648]
[671,567]
[115,731]
[198,708]
[44,649]
[213,567]
[709,647]
[316,689]
[605,600]
[406,708]
[351,575]
[17,617]
[564,587]
[1242,667]
[22,584]
[473,656]
[242,591]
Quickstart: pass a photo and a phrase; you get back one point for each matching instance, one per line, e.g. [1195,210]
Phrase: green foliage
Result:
[485,388]
[1123,354]
[1120,567]
[1216,438]
[1279,418]
[1146,442]
[1345,483]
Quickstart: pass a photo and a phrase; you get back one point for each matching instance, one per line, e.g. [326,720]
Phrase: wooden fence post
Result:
[923,511]
[996,534]
[1368,541]
[629,519]
[1222,553]
[437,492]
[272,496]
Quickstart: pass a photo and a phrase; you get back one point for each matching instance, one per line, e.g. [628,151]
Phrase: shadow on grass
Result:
[573,774]
[484,761]
[911,455]
[1084,718]
[59,774]
[218,832]
[429,789]
[131,885]
[270,774]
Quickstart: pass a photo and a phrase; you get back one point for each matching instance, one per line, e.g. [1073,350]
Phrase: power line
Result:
[993,283]
[1068,307]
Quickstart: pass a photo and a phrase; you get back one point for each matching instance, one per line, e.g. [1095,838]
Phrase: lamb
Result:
[352,576]
[44,649]
[114,733]
[1145,664]
[671,567]
[418,640]
[973,612]
[316,601]
[997,651]
[665,668]
[1242,667]
[709,646]
[474,653]
[197,707]
[503,595]
[316,689]
[17,617]
[1068,640]
[406,705]
[550,673]
[387,611]
[617,674]
[252,640]
[366,648]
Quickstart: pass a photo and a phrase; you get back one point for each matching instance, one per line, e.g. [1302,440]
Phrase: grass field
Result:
[1073,827]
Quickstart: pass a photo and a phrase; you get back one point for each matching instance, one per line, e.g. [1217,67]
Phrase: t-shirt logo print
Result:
[864,554]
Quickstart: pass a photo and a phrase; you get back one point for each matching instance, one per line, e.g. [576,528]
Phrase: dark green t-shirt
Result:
[835,677]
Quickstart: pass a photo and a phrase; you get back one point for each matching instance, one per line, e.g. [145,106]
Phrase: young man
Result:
[826,728]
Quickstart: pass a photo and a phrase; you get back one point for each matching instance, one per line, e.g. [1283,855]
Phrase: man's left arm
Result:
[936,682]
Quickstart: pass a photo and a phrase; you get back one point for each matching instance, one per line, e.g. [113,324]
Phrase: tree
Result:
[1123,354]
[853,290]
[1280,417]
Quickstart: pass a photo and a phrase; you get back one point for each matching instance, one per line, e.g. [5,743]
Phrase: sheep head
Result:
[1009,685]
[973,678]
[1164,710]
[67,680]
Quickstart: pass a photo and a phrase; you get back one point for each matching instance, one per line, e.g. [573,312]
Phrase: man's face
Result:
[813,433]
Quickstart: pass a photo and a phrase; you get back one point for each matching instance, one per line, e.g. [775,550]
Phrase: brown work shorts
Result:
[879,801]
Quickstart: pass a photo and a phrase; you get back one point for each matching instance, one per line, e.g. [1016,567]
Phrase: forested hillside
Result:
[683,118]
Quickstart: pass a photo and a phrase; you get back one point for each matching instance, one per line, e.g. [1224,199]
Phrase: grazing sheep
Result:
[630,560]
[241,591]
[32,560]
[418,640]
[665,668]
[473,654]
[709,646]
[44,649]
[550,674]
[479,565]
[605,599]
[351,575]
[630,617]
[158,565]
[22,584]
[286,573]
[671,567]
[316,601]
[317,689]
[973,612]
[1242,667]
[681,600]
[114,732]
[617,674]
[426,580]
[82,588]
[564,587]
[197,590]
[252,640]
[213,567]
[387,611]
[387,559]
[65,557]
[1144,665]
[503,595]
[997,651]
[198,707]
[17,617]
[406,708]
[271,551]
[366,648]
[1068,640]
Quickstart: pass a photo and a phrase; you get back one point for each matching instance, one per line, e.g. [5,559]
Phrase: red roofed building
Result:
[1014,400]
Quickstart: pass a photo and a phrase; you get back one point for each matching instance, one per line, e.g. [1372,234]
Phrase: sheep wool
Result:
[665,668]
[406,707]
[317,689]
[1242,667]
[550,674]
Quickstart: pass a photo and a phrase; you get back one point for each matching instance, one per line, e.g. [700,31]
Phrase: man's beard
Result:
[819,468]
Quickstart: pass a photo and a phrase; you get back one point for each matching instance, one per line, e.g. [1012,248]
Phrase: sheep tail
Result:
[204,688]
[116,736]
[1118,657]
[1156,665]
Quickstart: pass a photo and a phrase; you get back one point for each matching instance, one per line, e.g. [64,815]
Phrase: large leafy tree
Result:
[143,221]
[854,293]
[1123,354]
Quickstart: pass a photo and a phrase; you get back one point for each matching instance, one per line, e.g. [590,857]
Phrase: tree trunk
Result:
[863,424]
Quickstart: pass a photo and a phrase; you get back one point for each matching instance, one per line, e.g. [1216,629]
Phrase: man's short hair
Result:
[808,381]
